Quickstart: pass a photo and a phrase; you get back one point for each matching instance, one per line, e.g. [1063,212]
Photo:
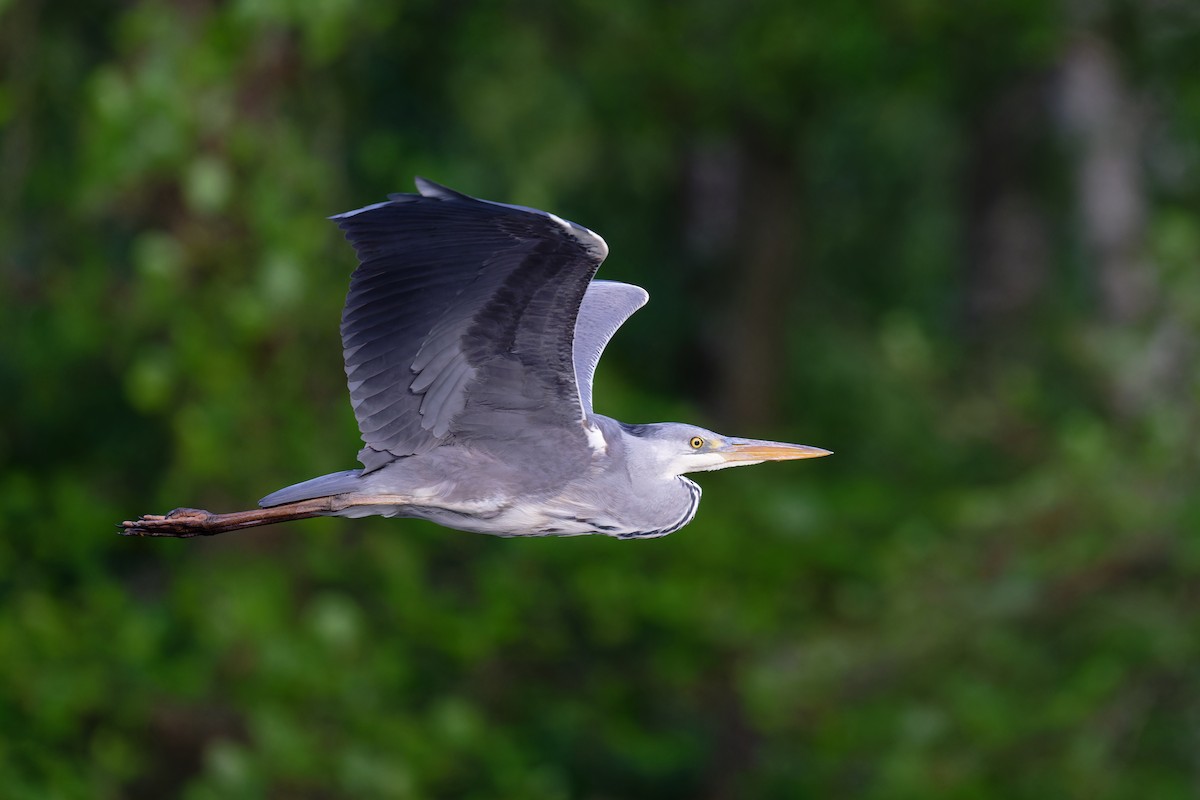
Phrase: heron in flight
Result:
[471,334]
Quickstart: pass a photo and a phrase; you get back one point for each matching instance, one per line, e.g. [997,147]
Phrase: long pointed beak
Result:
[754,451]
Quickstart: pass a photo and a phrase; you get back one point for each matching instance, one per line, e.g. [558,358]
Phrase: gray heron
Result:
[471,334]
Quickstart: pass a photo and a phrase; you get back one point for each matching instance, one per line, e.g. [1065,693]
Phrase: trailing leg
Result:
[184,523]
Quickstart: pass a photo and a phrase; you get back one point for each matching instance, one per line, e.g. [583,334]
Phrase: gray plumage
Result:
[471,335]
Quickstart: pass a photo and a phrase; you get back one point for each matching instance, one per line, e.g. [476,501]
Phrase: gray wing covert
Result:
[460,317]
[606,306]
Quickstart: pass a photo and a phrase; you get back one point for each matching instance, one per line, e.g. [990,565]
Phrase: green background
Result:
[956,243]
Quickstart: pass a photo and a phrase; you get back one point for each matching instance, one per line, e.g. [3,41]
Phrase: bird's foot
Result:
[182,523]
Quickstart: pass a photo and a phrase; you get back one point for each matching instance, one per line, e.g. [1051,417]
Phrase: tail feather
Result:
[335,483]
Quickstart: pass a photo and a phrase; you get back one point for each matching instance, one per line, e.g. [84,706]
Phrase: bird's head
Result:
[676,448]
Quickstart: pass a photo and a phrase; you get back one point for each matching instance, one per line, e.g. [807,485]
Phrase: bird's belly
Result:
[536,521]
[527,521]
[568,512]
[498,519]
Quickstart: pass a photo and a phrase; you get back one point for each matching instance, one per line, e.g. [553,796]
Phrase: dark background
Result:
[956,243]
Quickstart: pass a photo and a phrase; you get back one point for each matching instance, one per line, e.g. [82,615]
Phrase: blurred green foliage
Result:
[864,226]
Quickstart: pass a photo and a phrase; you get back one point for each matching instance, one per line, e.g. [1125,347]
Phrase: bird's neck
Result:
[660,502]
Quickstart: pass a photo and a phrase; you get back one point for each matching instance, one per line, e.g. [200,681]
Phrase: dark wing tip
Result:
[428,188]
[591,241]
[338,218]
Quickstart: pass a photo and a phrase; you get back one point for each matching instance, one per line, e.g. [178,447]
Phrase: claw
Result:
[180,523]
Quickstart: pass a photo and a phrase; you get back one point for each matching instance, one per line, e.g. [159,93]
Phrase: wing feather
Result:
[460,320]
[606,306]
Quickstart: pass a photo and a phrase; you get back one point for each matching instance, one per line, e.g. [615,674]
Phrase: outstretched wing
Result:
[605,308]
[460,321]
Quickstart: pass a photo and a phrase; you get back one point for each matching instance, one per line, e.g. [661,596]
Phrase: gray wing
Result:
[606,306]
[460,320]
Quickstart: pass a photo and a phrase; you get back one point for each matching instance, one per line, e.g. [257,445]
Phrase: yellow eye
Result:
[696,443]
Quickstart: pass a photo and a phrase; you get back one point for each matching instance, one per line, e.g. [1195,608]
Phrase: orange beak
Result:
[754,451]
